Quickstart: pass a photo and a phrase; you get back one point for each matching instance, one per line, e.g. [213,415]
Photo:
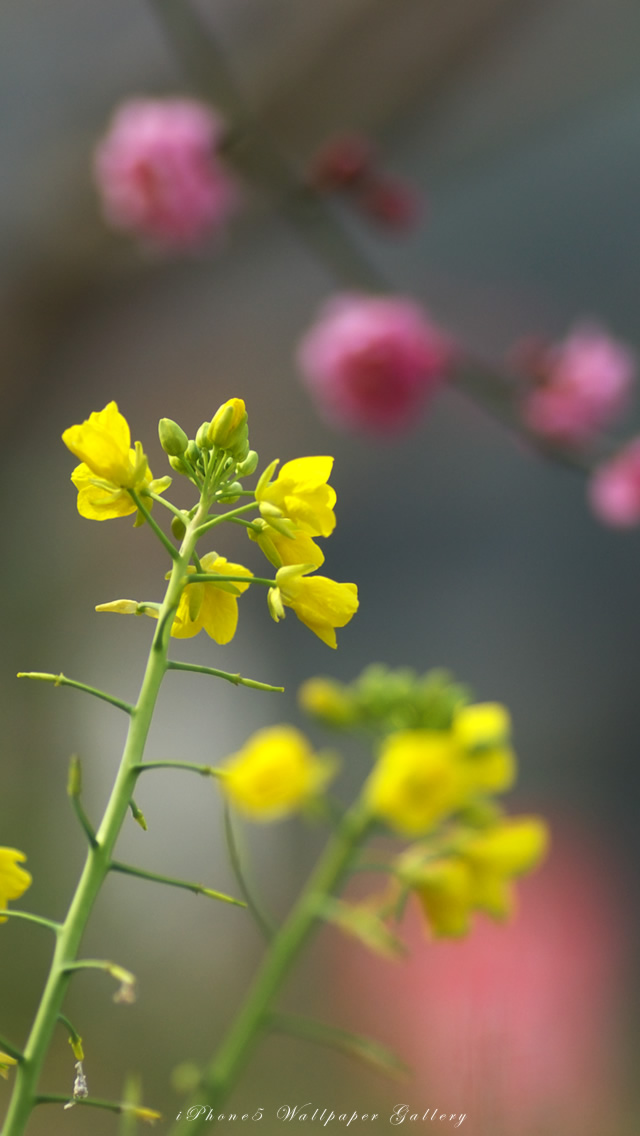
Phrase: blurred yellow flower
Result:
[320,603]
[483,732]
[478,877]
[209,605]
[275,773]
[109,466]
[301,494]
[14,880]
[6,1061]
[284,550]
[417,781]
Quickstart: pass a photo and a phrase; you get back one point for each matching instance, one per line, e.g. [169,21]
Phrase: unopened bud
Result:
[194,453]
[202,437]
[275,605]
[173,439]
[74,780]
[178,465]
[229,428]
[178,528]
[249,465]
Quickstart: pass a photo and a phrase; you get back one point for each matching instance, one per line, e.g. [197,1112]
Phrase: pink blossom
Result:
[581,386]
[159,174]
[372,362]
[614,490]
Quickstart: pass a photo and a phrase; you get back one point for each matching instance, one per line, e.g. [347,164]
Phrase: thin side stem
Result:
[156,877]
[62,680]
[262,921]
[153,524]
[217,577]
[11,1050]
[236,679]
[50,924]
[190,766]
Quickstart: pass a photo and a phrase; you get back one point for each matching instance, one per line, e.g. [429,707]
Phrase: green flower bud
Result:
[226,422]
[249,465]
[202,437]
[173,439]
[177,463]
[178,528]
[194,453]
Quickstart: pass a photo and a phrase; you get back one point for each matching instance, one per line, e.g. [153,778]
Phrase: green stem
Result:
[153,524]
[10,1050]
[50,924]
[236,679]
[190,766]
[99,857]
[217,577]
[86,1102]
[262,921]
[213,521]
[156,877]
[61,680]
[253,1017]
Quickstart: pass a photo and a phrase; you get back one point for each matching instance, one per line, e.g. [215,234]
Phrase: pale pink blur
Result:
[581,386]
[159,175]
[372,362]
[519,1025]
[614,489]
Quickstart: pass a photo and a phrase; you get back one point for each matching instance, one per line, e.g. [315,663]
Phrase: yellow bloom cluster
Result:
[477,876]
[423,776]
[275,774]
[109,466]
[295,507]
[14,880]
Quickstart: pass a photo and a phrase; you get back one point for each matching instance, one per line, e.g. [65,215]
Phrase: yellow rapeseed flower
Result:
[6,1061]
[301,494]
[483,732]
[280,549]
[209,605]
[417,781]
[109,466]
[275,773]
[478,877]
[320,603]
[14,880]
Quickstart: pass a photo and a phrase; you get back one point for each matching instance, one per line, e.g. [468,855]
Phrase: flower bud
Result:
[202,437]
[227,419]
[275,605]
[249,465]
[173,439]
[194,453]
[178,528]
[178,465]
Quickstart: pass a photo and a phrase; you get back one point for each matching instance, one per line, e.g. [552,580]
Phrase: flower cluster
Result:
[372,362]
[14,880]
[159,173]
[293,510]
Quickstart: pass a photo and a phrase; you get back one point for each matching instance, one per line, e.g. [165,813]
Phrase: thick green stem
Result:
[100,855]
[254,1015]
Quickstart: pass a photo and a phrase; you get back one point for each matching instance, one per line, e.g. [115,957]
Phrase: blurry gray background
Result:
[520,122]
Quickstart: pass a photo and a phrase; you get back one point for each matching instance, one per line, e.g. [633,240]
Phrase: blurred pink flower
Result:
[372,361]
[614,490]
[582,386]
[392,204]
[159,174]
[518,1026]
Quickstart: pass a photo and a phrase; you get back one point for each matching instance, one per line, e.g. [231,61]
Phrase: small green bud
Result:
[178,528]
[227,421]
[178,465]
[202,437]
[173,439]
[275,605]
[231,492]
[249,465]
[74,782]
[194,452]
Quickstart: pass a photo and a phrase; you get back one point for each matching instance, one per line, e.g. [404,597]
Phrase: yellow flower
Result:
[280,549]
[275,773]
[446,897]
[301,494]
[109,466]
[320,603]
[146,1115]
[14,880]
[327,700]
[209,605]
[476,878]
[417,781]
[483,732]
[495,857]
[6,1061]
